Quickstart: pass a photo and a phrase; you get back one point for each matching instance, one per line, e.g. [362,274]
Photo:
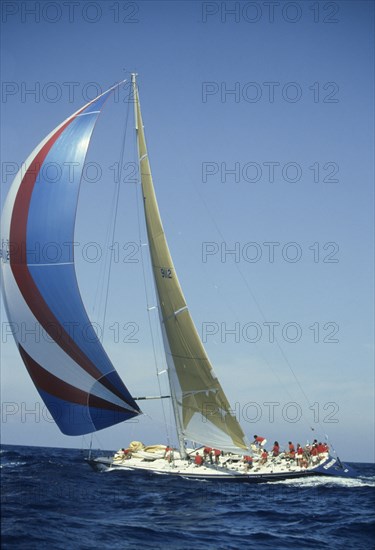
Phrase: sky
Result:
[260,127]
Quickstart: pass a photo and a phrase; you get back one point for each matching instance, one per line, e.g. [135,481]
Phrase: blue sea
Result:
[52,499]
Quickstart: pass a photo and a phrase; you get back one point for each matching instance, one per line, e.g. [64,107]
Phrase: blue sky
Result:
[316,128]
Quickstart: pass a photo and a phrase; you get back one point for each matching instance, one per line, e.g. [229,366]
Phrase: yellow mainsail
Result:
[203,413]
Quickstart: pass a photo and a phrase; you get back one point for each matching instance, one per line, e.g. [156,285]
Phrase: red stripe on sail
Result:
[56,387]
[25,282]
[22,203]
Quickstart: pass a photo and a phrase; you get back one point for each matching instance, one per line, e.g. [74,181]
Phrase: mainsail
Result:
[56,341]
[202,411]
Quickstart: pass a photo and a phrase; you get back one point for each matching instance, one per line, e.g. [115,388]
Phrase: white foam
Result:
[12,464]
[316,481]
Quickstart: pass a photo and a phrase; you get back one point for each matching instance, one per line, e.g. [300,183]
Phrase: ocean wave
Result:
[52,498]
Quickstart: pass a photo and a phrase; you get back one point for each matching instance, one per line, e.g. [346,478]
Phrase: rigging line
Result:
[98,301]
[259,351]
[186,244]
[263,356]
[117,194]
[139,202]
[94,435]
[159,422]
[258,306]
[149,313]
[96,306]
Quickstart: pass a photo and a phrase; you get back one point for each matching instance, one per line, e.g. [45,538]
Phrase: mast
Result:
[142,154]
[202,411]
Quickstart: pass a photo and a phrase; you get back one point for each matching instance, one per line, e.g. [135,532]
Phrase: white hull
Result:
[230,468]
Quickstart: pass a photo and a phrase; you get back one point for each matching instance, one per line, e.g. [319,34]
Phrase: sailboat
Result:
[72,373]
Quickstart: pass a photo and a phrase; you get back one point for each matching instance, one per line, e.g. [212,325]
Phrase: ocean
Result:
[52,499]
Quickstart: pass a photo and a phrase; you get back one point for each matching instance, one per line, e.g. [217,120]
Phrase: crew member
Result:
[292,450]
[264,457]
[217,454]
[299,455]
[259,440]
[276,449]
[198,460]
[248,461]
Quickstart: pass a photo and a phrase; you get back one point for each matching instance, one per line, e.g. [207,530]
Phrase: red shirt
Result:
[291,448]
[217,452]
[198,460]
[248,458]
[259,439]
[300,451]
[264,454]
[207,450]
[276,450]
